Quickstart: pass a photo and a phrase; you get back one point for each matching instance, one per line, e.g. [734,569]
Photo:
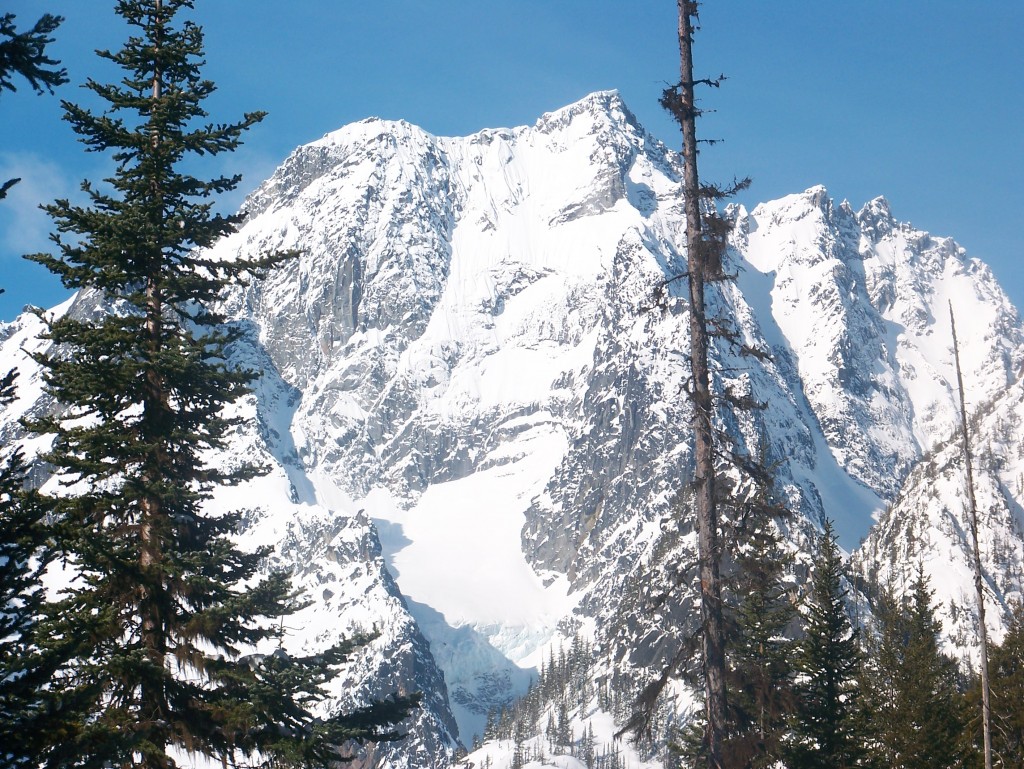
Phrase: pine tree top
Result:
[24,54]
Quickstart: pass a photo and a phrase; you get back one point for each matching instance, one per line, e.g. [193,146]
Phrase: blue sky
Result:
[917,100]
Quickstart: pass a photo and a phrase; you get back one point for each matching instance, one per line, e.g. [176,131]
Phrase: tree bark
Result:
[154,640]
[713,648]
[986,712]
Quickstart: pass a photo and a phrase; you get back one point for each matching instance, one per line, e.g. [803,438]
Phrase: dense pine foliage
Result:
[24,669]
[759,653]
[826,727]
[23,53]
[912,687]
[173,626]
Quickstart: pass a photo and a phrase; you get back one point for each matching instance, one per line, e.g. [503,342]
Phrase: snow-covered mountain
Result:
[477,418]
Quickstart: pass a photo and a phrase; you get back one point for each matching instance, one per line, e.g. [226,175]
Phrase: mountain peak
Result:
[876,219]
[369,128]
[599,106]
[879,205]
[465,349]
[795,207]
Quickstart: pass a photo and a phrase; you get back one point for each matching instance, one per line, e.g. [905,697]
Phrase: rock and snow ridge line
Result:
[464,352]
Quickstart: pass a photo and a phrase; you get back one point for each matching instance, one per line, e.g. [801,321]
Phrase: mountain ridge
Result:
[475,412]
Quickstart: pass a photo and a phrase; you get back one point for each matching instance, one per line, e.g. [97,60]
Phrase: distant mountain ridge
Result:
[476,416]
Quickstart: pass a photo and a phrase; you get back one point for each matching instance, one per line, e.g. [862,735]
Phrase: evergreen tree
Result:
[1007,676]
[564,727]
[491,726]
[915,710]
[706,236]
[826,729]
[588,746]
[759,673]
[166,613]
[24,670]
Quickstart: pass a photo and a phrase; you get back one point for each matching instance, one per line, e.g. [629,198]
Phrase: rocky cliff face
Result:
[476,412]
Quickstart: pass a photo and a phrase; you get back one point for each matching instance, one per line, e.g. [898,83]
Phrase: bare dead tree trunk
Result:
[713,648]
[986,713]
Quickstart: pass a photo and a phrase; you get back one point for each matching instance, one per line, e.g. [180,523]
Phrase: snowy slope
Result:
[927,527]
[861,304]
[477,417]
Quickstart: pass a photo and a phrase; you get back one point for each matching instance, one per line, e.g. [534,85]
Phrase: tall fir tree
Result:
[758,620]
[166,612]
[915,709]
[827,731]
[759,672]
